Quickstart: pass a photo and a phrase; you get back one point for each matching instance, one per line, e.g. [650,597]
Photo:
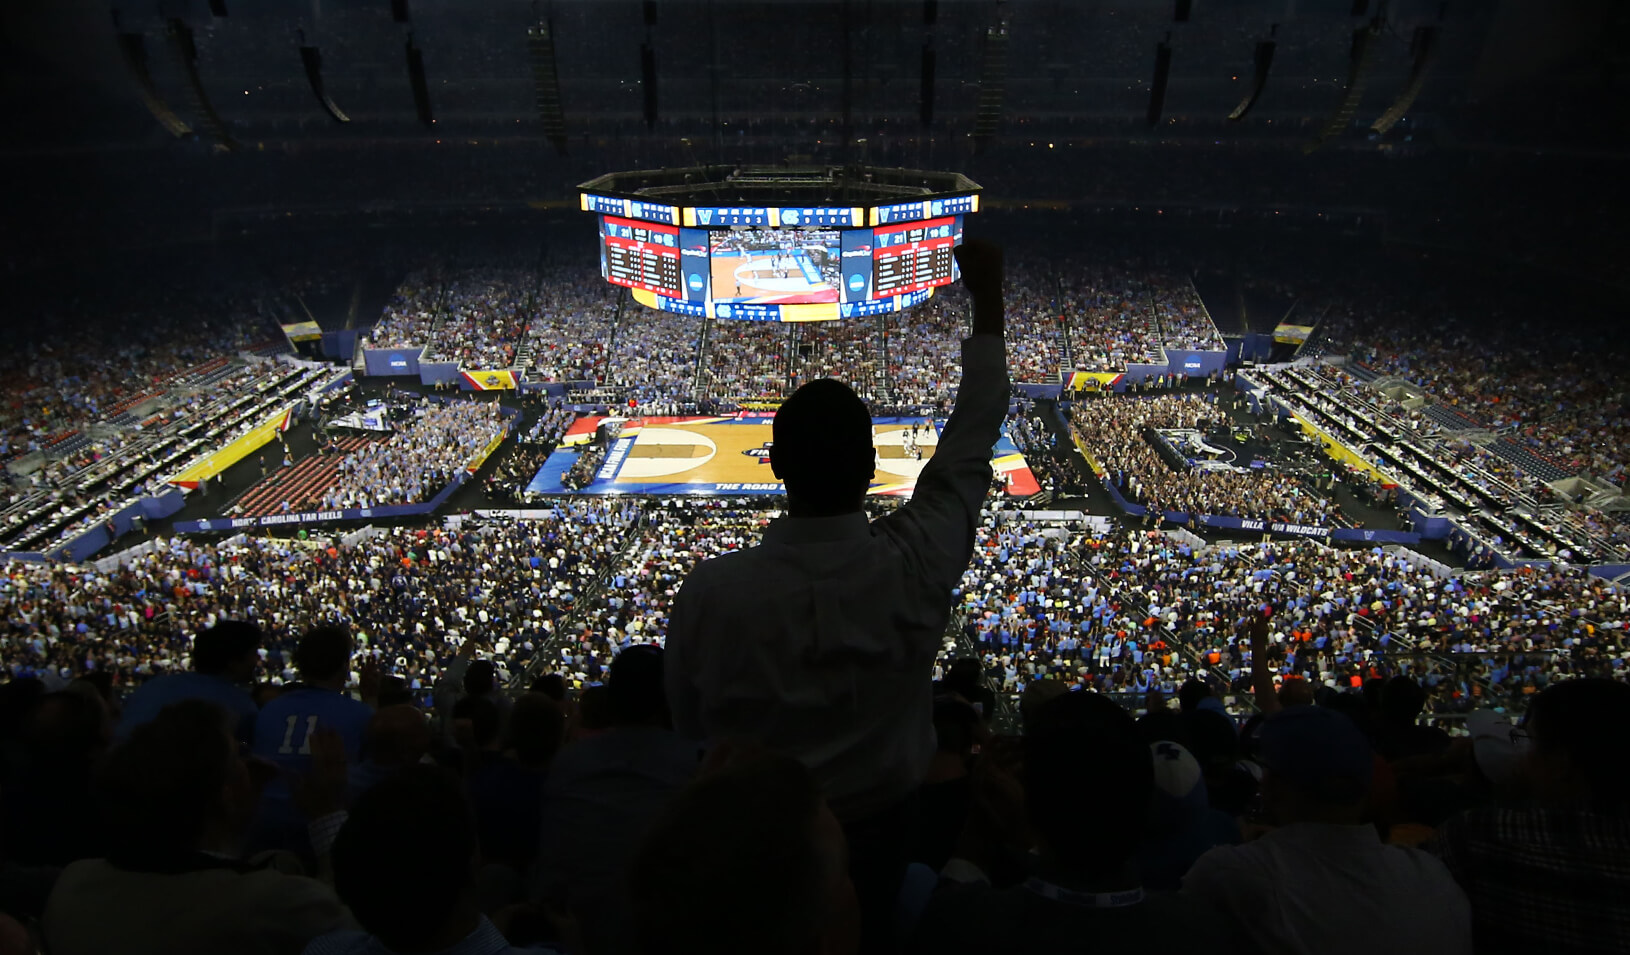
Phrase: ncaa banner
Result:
[490,380]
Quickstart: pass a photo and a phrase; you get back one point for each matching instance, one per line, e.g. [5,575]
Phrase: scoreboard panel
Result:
[640,255]
[913,257]
[780,263]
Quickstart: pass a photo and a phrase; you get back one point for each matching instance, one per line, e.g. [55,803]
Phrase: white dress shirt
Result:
[1329,890]
[820,641]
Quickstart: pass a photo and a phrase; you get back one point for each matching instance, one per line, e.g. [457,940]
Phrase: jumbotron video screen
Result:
[780,264]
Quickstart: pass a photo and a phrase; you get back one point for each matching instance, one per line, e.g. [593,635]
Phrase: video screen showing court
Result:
[776,266]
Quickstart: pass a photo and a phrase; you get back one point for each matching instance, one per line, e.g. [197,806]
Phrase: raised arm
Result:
[940,521]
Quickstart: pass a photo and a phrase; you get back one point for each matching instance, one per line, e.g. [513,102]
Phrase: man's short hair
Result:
[224,644]
[536,729]
[956,725]
[733,864]
[1579,719]
[634,687]
[160,787]
[480,678]
[1085,760]
[399,885]
[552,685]
[323,653]
[1191,693]
[822,447]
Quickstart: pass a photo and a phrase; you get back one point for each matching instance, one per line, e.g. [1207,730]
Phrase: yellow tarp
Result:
[1340,452]
[1292,334]
[213,464]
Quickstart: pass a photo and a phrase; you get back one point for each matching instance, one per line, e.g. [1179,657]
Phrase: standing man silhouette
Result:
[820,642]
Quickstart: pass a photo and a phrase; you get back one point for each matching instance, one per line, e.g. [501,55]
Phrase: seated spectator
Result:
[746,860]
[1088,788]
[1281,892]
[602,794]
[178,800]
[223,658]
[1552,877]
[411,895]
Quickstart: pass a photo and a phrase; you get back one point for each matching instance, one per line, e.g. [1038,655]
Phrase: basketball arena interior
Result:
[814,476]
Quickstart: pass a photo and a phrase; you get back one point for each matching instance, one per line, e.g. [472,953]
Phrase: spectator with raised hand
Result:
[223,660]
[1279,892]
[178,800]
[746,860]
[1551,876]
[847,616]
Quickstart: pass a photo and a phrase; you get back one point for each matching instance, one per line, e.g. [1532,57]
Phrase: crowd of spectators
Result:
[746,360]
[1546,388]
[1108,317]
[410,315]
[851,352]
[1035,348]
[655,357]
[572,818]
[1184,321]
[421,458]
[406,592]
[570,335]
[1114,430]
[925,354]
[485,315]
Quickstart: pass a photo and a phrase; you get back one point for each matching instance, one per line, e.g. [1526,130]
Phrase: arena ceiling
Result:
[781,67]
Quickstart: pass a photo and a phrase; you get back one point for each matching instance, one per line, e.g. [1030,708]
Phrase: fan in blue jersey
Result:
[283,729]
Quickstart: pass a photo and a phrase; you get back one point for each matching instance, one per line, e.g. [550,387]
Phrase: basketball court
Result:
[780,276]
[729,455]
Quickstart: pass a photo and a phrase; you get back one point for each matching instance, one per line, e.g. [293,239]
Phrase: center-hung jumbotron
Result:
[777,243]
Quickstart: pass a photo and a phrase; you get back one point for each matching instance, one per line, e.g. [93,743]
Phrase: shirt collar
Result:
[810,530]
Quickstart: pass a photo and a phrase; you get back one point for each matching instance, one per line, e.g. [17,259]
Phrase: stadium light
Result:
[540,44]
[1157,86]
[1359,59]
[1424,46]
[421,90]
[185,52]
[312,59]
[133,50]
[1263,63]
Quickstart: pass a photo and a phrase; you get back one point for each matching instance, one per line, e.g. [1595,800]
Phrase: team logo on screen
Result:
[723,310]
[704,216]
[789,216]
